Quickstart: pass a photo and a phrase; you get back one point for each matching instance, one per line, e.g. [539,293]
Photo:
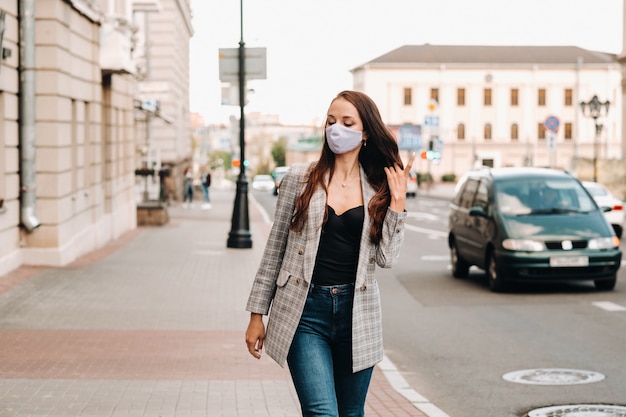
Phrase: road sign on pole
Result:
[256,64]
[551,141]
[552,123]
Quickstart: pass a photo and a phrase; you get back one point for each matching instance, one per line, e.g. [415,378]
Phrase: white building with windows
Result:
[489,104]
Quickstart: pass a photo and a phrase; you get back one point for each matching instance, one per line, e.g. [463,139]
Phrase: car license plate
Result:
[559,261]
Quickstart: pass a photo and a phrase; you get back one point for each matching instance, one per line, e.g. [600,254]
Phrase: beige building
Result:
[488,105]
[69,140]
[164,132]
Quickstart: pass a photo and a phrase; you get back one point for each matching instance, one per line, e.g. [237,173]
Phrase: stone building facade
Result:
[69,93]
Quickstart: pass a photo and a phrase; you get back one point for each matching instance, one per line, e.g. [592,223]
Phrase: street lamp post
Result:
[239,235]
[593,109]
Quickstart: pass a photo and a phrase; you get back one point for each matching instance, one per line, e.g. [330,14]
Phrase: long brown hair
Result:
[381,151]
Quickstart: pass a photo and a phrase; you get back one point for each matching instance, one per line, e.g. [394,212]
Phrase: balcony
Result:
[116,45]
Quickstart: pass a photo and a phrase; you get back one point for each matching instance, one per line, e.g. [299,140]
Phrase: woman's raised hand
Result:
[397,180]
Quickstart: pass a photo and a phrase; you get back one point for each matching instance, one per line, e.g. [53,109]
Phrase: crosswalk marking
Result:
[431,233]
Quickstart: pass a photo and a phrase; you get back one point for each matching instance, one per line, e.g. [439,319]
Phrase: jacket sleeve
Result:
[264,285]
[388,249]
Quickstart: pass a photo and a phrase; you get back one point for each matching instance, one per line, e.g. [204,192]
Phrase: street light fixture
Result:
[239,235]
[593,109]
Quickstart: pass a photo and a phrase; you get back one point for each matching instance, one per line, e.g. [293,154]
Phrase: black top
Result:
[338,252]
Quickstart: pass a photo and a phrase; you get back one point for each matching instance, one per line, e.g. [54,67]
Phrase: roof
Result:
[518,172]
[481,54]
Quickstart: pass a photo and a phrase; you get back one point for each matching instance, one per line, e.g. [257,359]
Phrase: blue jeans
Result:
[188,194]
[320,356]
[205,194]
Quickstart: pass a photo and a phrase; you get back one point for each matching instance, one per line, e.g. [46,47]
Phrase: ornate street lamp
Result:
[239,235]
[593,109]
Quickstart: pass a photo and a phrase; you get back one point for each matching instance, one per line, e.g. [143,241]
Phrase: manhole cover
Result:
[553,377]
[580,410]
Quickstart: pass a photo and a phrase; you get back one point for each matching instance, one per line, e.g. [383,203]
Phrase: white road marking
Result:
[608,306]
[436,258]
[422,215]
[436,234]
[398,383]
[266,217]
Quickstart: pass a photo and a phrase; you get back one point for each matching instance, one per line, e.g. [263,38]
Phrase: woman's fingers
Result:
[254,338]
[409,165]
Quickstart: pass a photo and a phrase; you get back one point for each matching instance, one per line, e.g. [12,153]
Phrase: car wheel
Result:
[493,274]
[460,268]
[605,284]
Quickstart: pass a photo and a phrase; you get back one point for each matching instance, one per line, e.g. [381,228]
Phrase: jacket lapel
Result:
[364,250]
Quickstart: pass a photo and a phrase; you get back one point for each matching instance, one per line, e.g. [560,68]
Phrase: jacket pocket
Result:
[283,278]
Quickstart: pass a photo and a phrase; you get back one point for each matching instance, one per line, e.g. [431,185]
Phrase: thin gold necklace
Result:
[343,184]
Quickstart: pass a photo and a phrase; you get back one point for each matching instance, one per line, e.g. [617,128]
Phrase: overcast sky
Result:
[313,44]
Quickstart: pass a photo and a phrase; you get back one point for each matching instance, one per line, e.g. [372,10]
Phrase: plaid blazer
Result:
[282,280]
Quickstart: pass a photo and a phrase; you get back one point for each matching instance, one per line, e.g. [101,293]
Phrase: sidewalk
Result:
[151,325]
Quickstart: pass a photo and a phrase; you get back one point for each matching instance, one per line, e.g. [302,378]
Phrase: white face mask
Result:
[342,139]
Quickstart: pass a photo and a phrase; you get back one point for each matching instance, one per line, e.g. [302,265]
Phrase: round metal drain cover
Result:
[553,376]
[580,410]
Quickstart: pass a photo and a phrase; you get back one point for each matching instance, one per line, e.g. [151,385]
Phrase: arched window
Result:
[487,133]
[460,131]
[514,132]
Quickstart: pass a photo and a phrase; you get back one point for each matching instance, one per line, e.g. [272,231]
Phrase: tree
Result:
[216,156]
[279,152]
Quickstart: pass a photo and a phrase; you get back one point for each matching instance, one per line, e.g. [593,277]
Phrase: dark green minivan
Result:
[530,225]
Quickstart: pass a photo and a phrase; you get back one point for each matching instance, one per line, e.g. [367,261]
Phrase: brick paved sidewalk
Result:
[151,325]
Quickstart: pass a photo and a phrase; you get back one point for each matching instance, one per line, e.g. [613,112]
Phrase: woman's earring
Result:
[364,143]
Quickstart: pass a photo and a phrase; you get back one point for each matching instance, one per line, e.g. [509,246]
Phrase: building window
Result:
[487,134]
[541,131]
[569,99]
[567,131]
[434,94]
[514,97]
[408,96]
[541,97]
[460,97]
[514,132]
[487,97]
[460,131]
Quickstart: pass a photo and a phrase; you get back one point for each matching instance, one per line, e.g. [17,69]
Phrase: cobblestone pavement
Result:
[151,325]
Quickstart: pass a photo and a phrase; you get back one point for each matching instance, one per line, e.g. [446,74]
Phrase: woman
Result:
[188,188]
[335,220]
[206,183]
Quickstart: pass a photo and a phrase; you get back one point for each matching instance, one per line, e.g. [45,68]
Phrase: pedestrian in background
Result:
[206,183]
[335,220]
[188,188]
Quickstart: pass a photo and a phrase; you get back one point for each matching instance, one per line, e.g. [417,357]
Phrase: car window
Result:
[467,195]
[458,190]
[482,196]
[537,196]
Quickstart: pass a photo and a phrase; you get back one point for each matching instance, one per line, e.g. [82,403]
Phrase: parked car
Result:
[411,185]
[612,206]
[501,221]
[263,182]
[278,174]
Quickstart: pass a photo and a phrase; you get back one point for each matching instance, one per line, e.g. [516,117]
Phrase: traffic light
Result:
[236,163]
[430,155]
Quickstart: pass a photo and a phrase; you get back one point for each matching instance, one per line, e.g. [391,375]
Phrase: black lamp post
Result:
[593,109]
[239,235]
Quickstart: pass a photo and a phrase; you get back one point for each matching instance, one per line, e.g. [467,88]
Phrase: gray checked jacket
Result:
[283,278]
